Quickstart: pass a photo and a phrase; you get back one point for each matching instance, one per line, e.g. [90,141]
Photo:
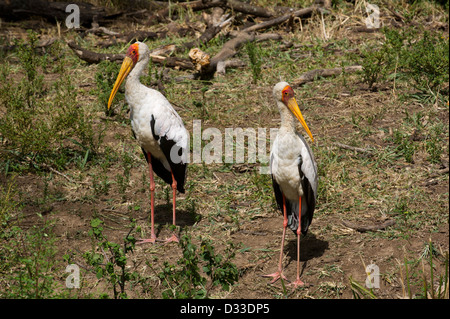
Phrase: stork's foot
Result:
[276,275]
[151,240]
[298,283]
[173,238]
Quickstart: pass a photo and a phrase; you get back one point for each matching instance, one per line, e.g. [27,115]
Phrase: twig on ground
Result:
[355,149]
[314,74]
[365,228]
[302,13]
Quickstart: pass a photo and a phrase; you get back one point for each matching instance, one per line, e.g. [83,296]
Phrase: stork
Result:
[158,129]
[294,173]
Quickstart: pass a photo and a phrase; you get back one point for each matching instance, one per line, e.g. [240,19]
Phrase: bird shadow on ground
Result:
[164,217]
[310,247]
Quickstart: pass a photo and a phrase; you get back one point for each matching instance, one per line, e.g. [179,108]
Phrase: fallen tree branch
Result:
[302,13]
[211,31]
[233,63]
[46,166]
[162,14]
[355,149]
[229,49]
[362,228]
[314,74]
[366,29]
[102,30]
[172,62]
[42,44]
[267,36]
[49,10]
[232,47]
[94,57]
[249,9]
[234,5]
[138,35]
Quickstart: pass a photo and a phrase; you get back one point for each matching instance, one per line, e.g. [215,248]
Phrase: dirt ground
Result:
[219,204]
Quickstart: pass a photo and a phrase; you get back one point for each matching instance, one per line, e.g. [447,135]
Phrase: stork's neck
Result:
[287,118]
[133,87]
[138,70]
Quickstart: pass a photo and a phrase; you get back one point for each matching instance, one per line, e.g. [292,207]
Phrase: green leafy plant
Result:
[219,268]
[407,54]
[28,262]
[378,61]
[44,124]
[109,259]
[434,286]
[186,280]
[434,143]
[254,55]
[427,61]
[105,78]
[361,292]
[404,146]
[430,290]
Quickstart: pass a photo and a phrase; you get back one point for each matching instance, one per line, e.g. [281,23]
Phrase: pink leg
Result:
[298,282]
[152,239]
[174,237]
[279,273]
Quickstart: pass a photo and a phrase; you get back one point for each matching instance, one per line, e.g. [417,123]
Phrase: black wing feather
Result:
[179,169]
[308,204]
[308,196]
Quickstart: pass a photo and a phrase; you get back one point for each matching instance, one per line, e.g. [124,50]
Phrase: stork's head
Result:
[284,95]
[135,53]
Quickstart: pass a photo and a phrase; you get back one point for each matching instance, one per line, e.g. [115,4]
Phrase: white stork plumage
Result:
[158,129]
[294,173]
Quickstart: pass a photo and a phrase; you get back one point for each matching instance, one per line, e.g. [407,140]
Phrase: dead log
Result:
[302,13]
[102,30]
[213,28]
[199,58]
[249,9]
[41,45]
[51,11]
[173,62]
[365,228]
[162,14]
[232,47]
[355,149]
[314,74]
[138,35]
[222,66]
[141,35]
[94,57]
[268,36]
[229,49]
[234,5]
[366,29]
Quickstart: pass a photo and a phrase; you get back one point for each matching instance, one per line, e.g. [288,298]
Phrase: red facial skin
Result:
[133,52]
[287,94]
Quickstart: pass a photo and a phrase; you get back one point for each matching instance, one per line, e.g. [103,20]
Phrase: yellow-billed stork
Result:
[158,129]
[294,173]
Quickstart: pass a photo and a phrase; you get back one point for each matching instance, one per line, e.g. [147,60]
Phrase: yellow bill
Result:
[127,66]
[293,106]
